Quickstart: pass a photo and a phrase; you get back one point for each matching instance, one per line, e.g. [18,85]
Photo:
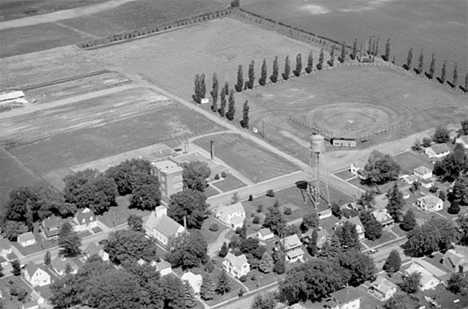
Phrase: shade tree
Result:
[188,207]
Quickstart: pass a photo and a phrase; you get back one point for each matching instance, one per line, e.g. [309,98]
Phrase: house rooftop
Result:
[291,242]
[440,148]
[265,232]
[60,264]
[93,248]
[231,209]
[25,237]
[429,199]
[422,170]
[236,261]
[426,275]
[85,216]
[294,253]
[382,216]
[163,265]
[345,295]
[191,278]
[31,268]
[382,284]
[164,224]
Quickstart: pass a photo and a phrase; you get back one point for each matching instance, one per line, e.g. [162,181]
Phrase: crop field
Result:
[333,99]
[261,165]
[435,26]
[136,124]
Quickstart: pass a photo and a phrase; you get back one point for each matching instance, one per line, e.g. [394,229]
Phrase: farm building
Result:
[233,215]
[12,97]
[344,142]
[430,203]
[161,227]
[437,151]
[170,178]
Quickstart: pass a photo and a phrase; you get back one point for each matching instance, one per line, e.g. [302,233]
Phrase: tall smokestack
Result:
[212,150]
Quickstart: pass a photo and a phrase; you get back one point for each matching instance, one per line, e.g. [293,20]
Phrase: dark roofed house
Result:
[455,261]
[59,264]
[51,226]
[162,227]
[84,220]
[437,151]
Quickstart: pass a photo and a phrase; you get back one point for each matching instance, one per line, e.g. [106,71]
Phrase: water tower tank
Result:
[317,144]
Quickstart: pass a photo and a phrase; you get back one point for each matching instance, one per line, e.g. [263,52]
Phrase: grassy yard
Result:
[410,160]
[345,175]
[211,236]
[12,301]
[386,236]
[256,279]
[40,245]
[228,184]
[396,229]
[210,191]
[118,215]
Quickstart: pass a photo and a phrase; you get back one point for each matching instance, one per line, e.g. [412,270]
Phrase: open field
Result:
[410,160]
[434,26]
[228,184]
[261,164]
[323,99]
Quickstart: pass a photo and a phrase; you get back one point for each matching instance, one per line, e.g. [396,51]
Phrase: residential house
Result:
[265,234]
[233,215]
[237,266]
[92,249]
[84,220]
[428,280]
[357,166]
[347,298]
[426,183]
[409,179]
[430,203]
[423,172]
[405,192]
[164,268]
[5,247]
[455,261]
[382,216]
[59,265]
[322,236]
[463,140]
[292,246]
[161,227]
[382,288]
[51,227]
[195,281]
[357,222]
[326,213]
[36,275]
[26,239]
[437,151]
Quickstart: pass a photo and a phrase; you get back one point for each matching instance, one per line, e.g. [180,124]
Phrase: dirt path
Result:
[60,15]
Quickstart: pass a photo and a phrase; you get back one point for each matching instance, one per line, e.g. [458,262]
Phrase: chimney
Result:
[160,211]
[212,150]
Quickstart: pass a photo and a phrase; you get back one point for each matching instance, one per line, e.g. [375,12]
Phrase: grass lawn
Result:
[256,279]
[40,245]
[229,183]
[12,302]
[382,188]
[345,175]
[84,234]
[211,236]
[210,191]
[96,230]
[396,229]
[410,160]
[386,236]
[118,214]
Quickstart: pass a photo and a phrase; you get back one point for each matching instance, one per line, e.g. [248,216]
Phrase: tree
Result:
[263,76]
[310,63]
[409,59]
[188,250]
[400,301]
[47,258]
[455,76]
[223,286]
[454,208]
[207,289]
[209,266]
[12,229]
[275,73]
[380,169]
[223,251]
[432,67]
[197,96]
[194,175]
[274,220]
[464,127]
[190,301]
[240,79]
[15,264]
[126,246]
[312,245]
[410,283]
[393,262]
[376,46]
[387,51]
[443,72]
[245,115]
[1,274]
[460,190]
[231,107]
[130,174]
[367,199]
[298,69]
[441,135]
[336,210]
[251,74]
[279,266]
[348,237]
[188,207]
[396,202]
[135,223]
[214,93]
[174,291]
[287,68]
[357,266]
[331,248]
[343,53]
[266,263]
[457,283]
[372,227]
[264,301]
[309,221]
[462,223]
[466,83]
[69,241]
[331,62]
[421,62]
[409,221]
[320,61]
[146,197]
[453,165]
[222,108]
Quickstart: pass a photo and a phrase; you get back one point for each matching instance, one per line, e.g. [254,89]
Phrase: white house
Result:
[409,179]
[382,288]
[237,266]
[233,215]
[164,268]
[292,246]
[357,166]
[357,222]
[36,275]
[5,247]
[195,281]
[463,140]
[428,280]
[347,298]
[84,220]
[161,227]
[423,172]
[382,216]
[326,213]
[92,249]
[430,203]
[437,151]
[59,265]
[26,239]
[265,234]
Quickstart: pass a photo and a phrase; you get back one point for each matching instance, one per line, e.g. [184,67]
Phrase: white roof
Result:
[430,200]
[230,209]
[191,278]
[423,170]
[426,276]
[11,95]
[167,166]
[236,261]
[291,242]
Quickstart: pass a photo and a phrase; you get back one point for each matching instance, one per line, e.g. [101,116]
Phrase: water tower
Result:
[318,186]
